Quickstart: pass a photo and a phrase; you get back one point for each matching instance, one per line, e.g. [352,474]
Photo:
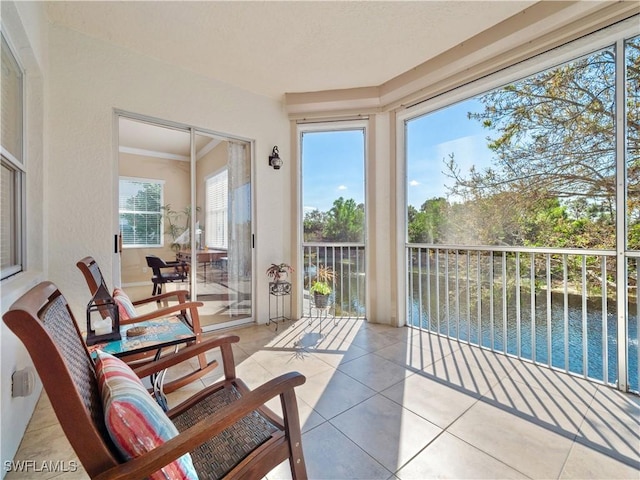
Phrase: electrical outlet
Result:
[23,382]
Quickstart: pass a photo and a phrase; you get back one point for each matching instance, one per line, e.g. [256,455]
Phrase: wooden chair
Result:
[188,311]
[177,273]
[226,421]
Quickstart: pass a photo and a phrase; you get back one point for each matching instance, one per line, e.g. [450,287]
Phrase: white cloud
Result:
[342,187]
[414,183]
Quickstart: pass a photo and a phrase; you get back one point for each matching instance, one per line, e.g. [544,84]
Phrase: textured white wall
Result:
[89,78]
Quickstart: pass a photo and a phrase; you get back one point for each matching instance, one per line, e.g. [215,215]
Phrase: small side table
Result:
[160,333]
[279,292]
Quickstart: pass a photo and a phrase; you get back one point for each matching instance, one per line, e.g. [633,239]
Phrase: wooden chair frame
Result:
[93,276]
[66,388]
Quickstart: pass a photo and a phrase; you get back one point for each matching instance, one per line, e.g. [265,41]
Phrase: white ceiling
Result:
[273,47]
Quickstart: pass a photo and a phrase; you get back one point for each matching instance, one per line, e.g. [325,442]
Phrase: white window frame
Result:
[17,165]
[159,212]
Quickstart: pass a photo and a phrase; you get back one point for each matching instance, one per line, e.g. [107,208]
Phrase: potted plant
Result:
[279,272]
[175,229]
[321,286]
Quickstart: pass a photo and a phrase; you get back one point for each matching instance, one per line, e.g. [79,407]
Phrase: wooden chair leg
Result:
[292,426]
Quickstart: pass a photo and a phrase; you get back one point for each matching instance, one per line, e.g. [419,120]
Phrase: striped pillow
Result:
[126,310]
[135,422]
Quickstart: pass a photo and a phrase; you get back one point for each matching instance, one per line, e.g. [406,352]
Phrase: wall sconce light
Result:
[274,159]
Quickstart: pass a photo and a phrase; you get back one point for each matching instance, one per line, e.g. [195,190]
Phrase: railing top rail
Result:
[542,250]
[333,244]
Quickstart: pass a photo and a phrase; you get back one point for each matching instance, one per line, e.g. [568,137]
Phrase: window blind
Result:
[140,203]
[216,210]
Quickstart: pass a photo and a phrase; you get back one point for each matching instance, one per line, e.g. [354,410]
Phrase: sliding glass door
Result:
[185,194]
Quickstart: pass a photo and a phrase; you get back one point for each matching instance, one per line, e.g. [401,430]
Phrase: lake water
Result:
[576,344]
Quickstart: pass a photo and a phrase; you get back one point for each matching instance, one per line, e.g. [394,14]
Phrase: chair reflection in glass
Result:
[160,276]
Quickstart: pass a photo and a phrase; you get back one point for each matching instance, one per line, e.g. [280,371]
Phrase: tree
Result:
[314,224]
[345,221]
[429,223]
[554,132]
[553,139]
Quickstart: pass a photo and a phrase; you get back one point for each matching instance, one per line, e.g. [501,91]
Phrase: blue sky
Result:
[333,162]
[332,167]
[432,138]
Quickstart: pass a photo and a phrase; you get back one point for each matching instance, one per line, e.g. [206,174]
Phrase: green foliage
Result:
[314,224]
[552,181]
[344,222]
[321,288]
[174,225]
[427,224]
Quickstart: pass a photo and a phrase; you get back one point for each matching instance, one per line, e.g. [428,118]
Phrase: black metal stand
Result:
[279,291]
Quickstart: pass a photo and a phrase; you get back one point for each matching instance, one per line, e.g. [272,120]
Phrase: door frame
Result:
[192,130]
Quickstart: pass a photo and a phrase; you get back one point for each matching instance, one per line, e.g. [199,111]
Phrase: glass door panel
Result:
[153,200]
[223,261]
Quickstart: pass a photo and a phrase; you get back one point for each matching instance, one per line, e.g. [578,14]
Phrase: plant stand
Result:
[279,292]
[321,312]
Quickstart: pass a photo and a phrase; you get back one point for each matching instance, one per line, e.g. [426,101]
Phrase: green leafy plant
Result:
[321,288]
[174,226]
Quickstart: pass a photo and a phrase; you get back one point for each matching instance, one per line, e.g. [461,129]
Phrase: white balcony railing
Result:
[348,286]
[553,307]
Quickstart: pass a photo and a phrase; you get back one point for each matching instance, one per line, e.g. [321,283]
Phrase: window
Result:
[12,175]
[333,185]
[140,208]
[216,210]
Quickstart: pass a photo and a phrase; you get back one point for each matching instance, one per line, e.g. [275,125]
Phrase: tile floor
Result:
[396,403]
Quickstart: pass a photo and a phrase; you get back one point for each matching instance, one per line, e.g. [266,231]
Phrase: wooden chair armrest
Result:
[208,427]
[163,312]
[223,342]
[181,294]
